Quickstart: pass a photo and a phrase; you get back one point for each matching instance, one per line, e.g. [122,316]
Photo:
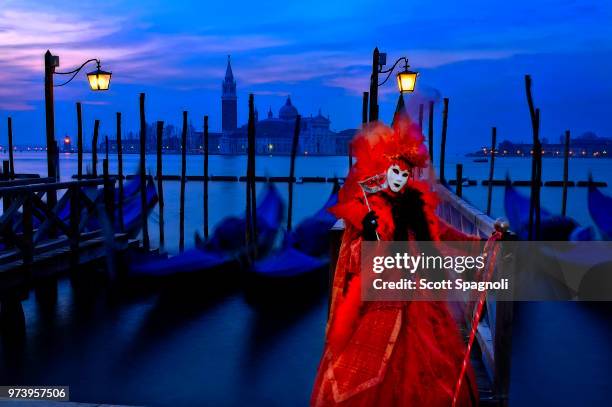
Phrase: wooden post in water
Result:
[459,189]
[430,134]
[120,172]
[565,173]
[11,172]
[57,162]
[538,181]
[253,189]
[79,141]
[443,140]
[205,147]
[183,174]
[421,117]
[142,174]
[251,200]
[491,169]
[248,233]
[94,149]
[75,219]
[6,199]
[294,145]
[160,183]
[108,191]
[28,228]
[106,146]
[534,202]
[6,173]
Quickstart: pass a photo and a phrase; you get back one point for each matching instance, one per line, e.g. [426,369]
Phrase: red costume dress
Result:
[388,353]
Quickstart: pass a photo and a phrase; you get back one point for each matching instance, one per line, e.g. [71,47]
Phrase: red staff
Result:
[497,235]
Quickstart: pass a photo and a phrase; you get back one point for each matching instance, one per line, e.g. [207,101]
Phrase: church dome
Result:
[288,111]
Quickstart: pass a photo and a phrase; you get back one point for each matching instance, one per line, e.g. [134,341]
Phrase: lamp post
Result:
[406,79]
[98,80]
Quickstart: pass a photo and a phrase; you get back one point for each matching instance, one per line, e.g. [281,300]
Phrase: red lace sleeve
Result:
[352,211]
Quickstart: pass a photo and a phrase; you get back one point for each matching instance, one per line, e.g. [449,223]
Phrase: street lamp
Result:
[406,79]
[98,80]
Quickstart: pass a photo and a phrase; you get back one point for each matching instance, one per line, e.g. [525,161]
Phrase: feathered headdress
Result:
[378,146]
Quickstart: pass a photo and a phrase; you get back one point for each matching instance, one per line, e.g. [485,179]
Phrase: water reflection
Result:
[114,346]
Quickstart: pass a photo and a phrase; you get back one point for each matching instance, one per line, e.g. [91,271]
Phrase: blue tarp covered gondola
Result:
[225,248]
[552,227]
[229,235]
[132,206]
[600,210]
[304,250]
[516,206]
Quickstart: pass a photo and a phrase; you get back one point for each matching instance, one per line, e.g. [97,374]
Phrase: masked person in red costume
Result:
[383,353]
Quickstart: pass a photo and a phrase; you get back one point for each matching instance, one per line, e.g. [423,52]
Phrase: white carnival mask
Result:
[396,177]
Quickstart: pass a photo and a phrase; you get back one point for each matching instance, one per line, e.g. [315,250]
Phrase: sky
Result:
[476,53]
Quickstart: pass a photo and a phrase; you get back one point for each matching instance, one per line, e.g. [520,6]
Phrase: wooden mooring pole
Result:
[251,200]
[459,189]
[79,141]
[143,175]
[94,149]
[6,199]
[6,171]
[294,145]
[534,202]
[253,189]
[443,140]
[57,162]
[106,147]
[183,179]
[75,220]
[491,169]
[160,183]
[565,173]
[205,147]
[109,192]
[10,148]
[421,107]
[120,172]
[430,134]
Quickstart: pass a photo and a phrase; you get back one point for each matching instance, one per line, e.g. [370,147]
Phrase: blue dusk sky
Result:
[319,52]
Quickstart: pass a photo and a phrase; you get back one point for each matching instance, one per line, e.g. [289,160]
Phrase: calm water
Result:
[228,198]
[156,350]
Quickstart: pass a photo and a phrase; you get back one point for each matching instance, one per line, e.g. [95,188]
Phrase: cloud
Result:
[150,59]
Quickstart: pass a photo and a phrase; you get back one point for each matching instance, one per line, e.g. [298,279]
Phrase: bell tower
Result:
[229,102]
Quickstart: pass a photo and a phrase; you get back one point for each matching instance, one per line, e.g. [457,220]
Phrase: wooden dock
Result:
[39,242]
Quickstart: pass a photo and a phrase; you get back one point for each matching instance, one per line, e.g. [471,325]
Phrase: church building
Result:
[274,135]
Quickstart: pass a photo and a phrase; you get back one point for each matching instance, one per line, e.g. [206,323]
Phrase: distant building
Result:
[588,145]
[229,101]
[274,135]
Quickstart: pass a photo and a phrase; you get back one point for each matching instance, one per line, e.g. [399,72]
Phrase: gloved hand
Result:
[370,225]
